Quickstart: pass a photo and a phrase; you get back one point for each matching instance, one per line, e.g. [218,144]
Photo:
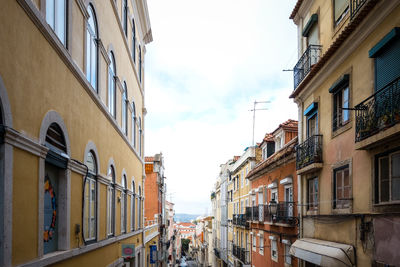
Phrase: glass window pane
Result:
[50,12]
[88,54]
[345,104]
[86,213]
[60,20]
[384,178]
[395,165]
[93,63]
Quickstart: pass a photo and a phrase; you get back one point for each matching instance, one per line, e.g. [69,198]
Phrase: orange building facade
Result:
[154,187]
[273,211]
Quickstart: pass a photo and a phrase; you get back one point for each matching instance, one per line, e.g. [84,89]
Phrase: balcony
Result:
[305,63]
[355,7]
[377,115]
[241,254]
[285,213]
[240,220]
[309,154]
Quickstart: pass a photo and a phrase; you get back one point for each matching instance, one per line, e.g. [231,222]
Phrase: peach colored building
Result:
[273,212]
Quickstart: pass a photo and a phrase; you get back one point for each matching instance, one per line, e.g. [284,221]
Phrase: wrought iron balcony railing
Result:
[379,111]
[355,6]
[244,256]
[240,220]
[235,251]
[286,212]
[249,213]
[306,61]
[308,152]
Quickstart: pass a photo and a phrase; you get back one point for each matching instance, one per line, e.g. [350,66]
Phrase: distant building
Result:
[155,207]
[273,213]
[238,200]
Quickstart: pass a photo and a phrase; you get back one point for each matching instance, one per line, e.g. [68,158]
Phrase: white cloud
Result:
[208,62]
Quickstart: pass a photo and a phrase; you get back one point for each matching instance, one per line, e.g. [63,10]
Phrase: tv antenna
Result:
[254,113]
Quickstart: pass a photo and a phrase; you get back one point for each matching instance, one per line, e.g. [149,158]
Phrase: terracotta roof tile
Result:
[344,34]
[296,9]
[287,150]
[148,159]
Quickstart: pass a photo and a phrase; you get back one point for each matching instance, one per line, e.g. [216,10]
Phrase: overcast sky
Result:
[209,61]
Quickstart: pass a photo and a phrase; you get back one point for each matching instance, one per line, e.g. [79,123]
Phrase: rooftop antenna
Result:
[254,113]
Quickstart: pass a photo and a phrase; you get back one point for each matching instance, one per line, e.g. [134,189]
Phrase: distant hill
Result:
[183,217]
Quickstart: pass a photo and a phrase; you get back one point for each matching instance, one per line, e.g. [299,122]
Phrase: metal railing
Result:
[355,6]
[306,61]
[379,111]
[244,256]
[308,152]
[286,212]
[240,220]
[240,253]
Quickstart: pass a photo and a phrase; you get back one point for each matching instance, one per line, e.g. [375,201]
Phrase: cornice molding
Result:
[348,47]
[17,139]
[49,34]
[82,8]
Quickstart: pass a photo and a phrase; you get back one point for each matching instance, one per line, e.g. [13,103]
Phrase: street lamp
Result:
[273,208]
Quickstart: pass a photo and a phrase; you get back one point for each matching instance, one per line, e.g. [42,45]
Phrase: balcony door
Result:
[289,199]
[260,205]
[312,125]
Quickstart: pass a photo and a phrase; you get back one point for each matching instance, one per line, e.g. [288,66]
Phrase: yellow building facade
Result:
[238,199]
[72,120]
[346,86]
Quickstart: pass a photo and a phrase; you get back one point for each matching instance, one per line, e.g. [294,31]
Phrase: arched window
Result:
[140,64]
[123,205]
[111,202]
[55,189]
[124,106]
[125,17]
[111,85]
[133,204]
[90,188]
[91,48]
[139,208]
[56,17]
[133,41]
[140,137]
[133,124]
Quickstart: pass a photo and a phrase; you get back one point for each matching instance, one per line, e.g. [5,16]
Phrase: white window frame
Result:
[112,86]
[58,24]
[287,256]
[274,244]
[261,247]
[92,49]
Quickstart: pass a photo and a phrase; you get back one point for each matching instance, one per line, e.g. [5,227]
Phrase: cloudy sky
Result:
[209,61]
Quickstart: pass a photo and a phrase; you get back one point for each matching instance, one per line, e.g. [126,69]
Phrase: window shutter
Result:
[387,65]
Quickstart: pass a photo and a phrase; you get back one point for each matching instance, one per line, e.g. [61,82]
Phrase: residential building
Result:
[231,206]
[273,214]
[154,211]
[171,232]
[239,199]
[72,119]
[221,215]
[346,86]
